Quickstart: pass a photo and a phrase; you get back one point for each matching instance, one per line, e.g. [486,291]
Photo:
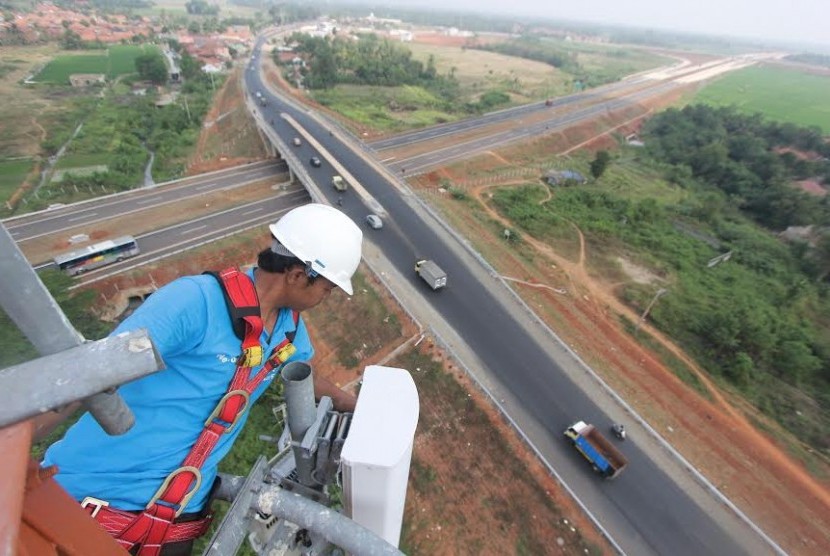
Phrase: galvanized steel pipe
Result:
[301,412]
[39,317]
[335,527]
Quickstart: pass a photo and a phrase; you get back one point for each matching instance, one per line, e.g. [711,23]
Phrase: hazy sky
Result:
[791,20]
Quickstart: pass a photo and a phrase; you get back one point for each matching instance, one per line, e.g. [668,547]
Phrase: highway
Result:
[559,120]
[31,226]
[645,510]
[175,239]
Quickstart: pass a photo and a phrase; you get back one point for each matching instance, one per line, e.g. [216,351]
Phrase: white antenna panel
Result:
[378,449]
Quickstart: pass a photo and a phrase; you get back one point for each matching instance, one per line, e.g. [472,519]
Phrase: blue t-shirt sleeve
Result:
[174,316]
[305,350]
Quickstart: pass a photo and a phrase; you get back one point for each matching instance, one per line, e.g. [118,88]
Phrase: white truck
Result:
[338,183]
[431,273]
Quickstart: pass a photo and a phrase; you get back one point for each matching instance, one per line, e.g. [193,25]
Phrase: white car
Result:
[374,221]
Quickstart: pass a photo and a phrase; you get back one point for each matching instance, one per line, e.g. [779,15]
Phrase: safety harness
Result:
[155,526]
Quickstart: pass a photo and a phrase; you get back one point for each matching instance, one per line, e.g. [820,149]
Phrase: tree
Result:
[600,164]
[152,67]
[201,7]
[70,40]
[822,256]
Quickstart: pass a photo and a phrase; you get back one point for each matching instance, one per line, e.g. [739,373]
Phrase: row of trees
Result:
[749,159]
[379,62]
[368,61]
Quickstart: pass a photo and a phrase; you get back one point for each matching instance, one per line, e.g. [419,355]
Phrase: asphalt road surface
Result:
[50,222]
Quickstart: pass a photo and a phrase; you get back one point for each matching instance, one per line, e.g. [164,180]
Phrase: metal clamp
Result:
[97,502]
[186,498]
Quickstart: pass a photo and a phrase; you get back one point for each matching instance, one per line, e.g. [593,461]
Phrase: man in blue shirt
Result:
[315,249]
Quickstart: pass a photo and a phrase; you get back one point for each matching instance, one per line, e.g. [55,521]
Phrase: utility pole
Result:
[660,293]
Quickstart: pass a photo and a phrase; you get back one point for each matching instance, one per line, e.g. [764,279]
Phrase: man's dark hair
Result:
[268,261]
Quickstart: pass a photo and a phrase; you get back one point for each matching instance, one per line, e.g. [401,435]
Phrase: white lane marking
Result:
[84,217]
[196,229]
[148,200]
[252,211]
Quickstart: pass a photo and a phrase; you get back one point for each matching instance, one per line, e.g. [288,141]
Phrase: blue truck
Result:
[603,456]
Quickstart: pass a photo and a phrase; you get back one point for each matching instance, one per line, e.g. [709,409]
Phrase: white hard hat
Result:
[323,237]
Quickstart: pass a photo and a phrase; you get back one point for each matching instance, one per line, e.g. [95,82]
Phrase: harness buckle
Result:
[221,405]
[284,353]
[252,356]
[186,498]
[97,502]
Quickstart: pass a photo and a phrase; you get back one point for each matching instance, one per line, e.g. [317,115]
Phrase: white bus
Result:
[99,254]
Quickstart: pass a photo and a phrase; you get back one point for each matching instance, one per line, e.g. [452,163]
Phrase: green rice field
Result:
[115,61]
[777,93]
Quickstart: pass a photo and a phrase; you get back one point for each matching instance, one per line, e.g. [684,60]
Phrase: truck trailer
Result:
[431,273]
[603,456]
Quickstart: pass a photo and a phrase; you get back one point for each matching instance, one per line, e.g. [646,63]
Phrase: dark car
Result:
[315,162]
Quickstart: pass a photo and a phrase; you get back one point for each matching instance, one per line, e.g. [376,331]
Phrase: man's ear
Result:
[295,275]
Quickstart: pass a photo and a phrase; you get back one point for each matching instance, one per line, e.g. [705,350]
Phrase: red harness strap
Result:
[115,521]
[154,526]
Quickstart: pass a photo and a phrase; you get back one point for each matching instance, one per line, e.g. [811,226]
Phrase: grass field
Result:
[80,160]
[173,8]
[12,173]
[20,133]
[115,61]
[478,71]
[78,171]
[369,106]
[779,94]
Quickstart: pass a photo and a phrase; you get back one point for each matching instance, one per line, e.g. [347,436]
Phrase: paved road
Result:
[645,510]
[189,235]
[434,158]
[30,226]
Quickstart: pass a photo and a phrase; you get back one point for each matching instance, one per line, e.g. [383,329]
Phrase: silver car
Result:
[374,221]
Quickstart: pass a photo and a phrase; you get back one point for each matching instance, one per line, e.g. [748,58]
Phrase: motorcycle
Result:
[618,430]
